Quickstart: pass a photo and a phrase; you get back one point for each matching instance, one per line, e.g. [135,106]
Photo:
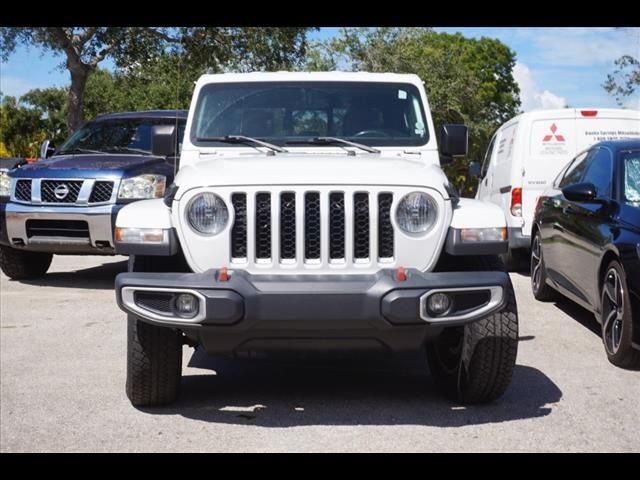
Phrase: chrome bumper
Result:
[98,218]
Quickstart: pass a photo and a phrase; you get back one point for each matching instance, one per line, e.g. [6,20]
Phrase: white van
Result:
[528,152]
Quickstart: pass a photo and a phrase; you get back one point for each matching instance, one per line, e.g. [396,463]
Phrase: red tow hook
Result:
[223,276]
[401,274]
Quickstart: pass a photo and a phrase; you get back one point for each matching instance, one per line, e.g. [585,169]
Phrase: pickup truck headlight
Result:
[5,184]
[143,186]
[207,214]
[416,212]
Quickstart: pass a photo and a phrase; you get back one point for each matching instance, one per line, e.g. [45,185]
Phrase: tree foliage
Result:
[624,80]
[467,80]
[212,48]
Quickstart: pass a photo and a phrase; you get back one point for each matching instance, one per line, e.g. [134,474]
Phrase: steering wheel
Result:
[371,133]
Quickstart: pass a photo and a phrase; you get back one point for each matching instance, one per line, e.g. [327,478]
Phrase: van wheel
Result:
[541,291]
[617,319]
[474,363]
[24,265]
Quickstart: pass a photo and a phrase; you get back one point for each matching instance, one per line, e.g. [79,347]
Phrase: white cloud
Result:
[633,102]
[530,95]
[585,46]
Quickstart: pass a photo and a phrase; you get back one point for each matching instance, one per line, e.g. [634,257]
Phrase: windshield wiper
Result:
[79,150]
[334,141]
[128,149]
[242,139]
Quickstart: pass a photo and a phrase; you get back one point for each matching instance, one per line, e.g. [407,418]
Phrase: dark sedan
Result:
[586,243]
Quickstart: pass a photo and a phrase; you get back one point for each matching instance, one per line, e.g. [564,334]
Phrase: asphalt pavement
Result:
[62,373]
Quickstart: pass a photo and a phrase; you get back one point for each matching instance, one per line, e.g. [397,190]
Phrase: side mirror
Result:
[47,148]
[454,141]
[580,192]
[163,140]
[475,169]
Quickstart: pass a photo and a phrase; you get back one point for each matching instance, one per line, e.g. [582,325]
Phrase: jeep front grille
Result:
[311,227]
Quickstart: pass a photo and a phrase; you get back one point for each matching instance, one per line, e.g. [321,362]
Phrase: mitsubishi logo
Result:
[61,191]
[554,129]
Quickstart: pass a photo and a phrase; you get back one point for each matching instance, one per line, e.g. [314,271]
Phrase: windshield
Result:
[631,168]
[376,114]
[116,136]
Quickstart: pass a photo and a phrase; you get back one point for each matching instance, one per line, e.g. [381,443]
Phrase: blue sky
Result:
[555,66]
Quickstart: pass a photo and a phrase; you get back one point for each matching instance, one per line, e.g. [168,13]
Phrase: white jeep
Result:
[310,214]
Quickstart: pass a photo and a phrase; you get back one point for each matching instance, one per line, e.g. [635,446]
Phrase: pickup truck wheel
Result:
[474,363]
[23,265]
[617,319]
[154,363]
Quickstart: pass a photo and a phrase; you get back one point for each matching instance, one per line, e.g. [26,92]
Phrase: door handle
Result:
[568,210]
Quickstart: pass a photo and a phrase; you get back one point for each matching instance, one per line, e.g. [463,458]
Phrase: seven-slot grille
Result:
[69,190]
[288,227]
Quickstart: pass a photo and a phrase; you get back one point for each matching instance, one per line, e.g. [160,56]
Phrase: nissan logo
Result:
[61,191]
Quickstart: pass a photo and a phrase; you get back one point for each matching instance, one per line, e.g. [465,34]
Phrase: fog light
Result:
[438,303]
[187,304]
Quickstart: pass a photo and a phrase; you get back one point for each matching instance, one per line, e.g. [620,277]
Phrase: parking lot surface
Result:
[62,374]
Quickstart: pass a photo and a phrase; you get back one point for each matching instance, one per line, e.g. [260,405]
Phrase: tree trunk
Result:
[79,75]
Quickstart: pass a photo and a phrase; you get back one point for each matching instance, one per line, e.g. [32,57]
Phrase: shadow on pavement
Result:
[100,277]
[272,393]
[581,315]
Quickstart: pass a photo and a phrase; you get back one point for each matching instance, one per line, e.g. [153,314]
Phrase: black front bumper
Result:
[263,312]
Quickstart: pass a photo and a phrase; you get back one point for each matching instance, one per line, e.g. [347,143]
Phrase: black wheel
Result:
[154,363]
[541,291]
[23,265]
[474,363]
[616,318]
[154,354]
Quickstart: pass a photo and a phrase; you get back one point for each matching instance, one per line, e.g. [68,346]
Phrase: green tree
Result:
[624,80]
[21,130]
[216,48]
[467,80]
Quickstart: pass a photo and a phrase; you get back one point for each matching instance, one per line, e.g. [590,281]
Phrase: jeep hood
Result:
[311,169]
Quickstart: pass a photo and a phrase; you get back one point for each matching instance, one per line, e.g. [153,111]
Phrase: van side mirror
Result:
[47,148]
[475,169]
[580,192]
[163,140]
[454,141]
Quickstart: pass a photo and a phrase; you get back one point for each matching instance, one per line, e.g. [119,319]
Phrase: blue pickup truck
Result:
[67,202]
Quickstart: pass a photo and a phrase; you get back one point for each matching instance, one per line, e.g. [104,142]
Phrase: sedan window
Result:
[600,172]
[631,166]
[575,171]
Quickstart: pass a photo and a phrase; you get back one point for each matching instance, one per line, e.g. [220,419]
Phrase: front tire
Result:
[154,363]
[474,363]
[541,291]
[154,354]
[24,265]
[616,319]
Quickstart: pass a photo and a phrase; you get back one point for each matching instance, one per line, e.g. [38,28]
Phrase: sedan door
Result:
[587,228]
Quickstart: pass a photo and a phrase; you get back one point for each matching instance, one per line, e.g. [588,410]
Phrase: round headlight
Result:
[416,212]
[207,214]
